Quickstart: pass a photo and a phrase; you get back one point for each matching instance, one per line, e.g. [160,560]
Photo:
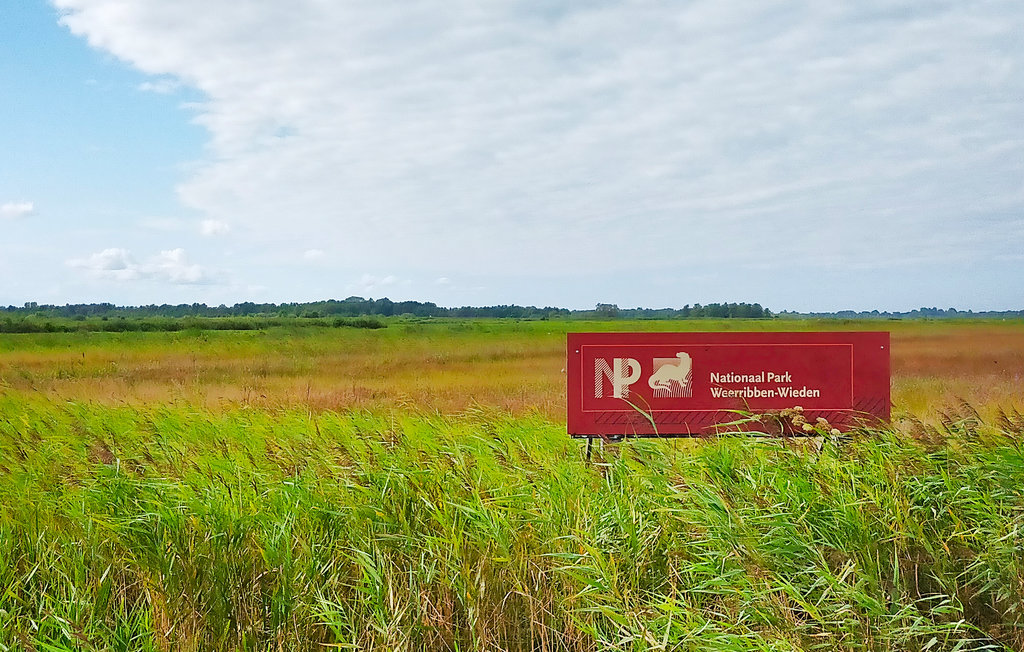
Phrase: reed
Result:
[174,527]
[449,366]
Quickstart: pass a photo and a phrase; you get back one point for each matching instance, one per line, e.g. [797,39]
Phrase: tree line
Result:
[919,313]
[384,307]
[359,312]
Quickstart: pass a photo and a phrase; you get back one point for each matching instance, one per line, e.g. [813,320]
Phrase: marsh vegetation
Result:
[413,488]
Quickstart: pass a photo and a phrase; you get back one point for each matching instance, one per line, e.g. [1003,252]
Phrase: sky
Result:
[802,155]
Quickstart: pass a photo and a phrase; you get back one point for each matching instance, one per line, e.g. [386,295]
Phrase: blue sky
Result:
[810,156]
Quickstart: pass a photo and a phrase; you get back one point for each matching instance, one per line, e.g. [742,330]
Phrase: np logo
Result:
[672,377]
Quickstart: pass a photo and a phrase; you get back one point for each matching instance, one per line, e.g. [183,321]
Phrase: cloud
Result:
[174,267]
[313,254]
[163,86]
[113,263]
[214,227]
[171,266]
[16,209]
[370,283]
[553,137]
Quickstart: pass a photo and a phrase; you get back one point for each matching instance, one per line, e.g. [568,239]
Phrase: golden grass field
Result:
[450,366]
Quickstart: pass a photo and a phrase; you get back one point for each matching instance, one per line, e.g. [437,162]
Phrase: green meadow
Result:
[413,488]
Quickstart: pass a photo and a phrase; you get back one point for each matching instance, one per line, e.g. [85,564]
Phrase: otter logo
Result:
[672,377]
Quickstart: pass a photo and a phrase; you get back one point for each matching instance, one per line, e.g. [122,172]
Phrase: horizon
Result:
[33,305]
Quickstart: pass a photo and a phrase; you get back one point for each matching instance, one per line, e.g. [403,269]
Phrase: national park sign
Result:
[679,384]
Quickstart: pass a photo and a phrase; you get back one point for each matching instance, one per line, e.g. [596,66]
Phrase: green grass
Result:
[170,527]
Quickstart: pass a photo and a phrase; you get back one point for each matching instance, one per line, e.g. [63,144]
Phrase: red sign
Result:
[669,384]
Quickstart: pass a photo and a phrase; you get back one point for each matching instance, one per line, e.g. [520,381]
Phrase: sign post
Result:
[690,384]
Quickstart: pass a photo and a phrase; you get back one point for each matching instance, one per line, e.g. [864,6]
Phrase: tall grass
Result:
[449,365]
[169,527]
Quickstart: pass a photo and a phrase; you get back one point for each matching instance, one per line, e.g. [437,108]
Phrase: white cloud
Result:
[313,254]
[443,280]
[535,138]
[214,227]
[164,86]
[113,263]
[111,260]
[171,266]
[16,209]
[368,283]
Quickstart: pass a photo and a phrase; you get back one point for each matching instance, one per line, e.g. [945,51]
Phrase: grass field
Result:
[449,366]
[413,488]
